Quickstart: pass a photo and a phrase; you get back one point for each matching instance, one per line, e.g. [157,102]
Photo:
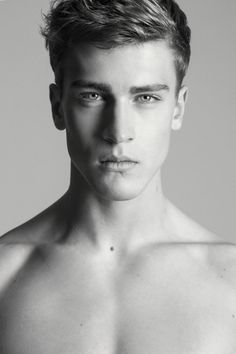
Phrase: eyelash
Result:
[152,97]
[81,95]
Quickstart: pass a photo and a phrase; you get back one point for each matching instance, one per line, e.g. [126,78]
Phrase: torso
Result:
[177,299]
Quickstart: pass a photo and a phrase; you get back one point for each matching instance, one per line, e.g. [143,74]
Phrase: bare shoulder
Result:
[45,227]
[188,230]
[18,244]
[208,249]
[222,260]
[12,259]
[217,260]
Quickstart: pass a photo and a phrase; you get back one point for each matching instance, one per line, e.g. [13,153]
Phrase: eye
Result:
[90,96]
[147,98]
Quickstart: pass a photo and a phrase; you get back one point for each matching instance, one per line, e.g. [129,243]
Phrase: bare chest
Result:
[147,311]
[130,331]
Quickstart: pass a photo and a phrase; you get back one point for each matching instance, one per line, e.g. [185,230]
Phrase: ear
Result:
[57,112]
[179,108]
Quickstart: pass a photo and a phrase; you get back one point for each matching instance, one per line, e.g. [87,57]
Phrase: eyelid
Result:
[83,93]
[104,97]
[154,96]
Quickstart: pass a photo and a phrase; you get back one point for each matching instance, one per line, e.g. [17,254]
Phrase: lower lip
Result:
[118,166]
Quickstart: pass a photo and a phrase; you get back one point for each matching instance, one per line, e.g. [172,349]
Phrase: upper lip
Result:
[114,158]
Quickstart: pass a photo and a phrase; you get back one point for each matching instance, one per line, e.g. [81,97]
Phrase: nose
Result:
[119,126]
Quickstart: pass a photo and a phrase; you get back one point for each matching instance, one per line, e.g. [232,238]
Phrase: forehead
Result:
[122,66]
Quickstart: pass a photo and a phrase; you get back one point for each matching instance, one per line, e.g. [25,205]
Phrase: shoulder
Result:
[221,258]
[45,227]
[15,250]
[12,259]
[217,264]
[211,252]
[18,245]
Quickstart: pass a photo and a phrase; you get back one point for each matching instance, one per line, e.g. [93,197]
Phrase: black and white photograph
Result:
[118,178]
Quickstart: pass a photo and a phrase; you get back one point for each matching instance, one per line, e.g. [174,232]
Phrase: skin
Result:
[113,266]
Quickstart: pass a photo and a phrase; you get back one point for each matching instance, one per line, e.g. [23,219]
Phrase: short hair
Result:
[111,23]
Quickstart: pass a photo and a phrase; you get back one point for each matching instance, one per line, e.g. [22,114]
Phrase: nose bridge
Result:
[120,125]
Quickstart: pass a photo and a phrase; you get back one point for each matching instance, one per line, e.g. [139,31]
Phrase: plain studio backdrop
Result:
[199,175]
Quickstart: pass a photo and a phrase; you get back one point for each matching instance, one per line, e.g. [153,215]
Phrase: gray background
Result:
[199,175]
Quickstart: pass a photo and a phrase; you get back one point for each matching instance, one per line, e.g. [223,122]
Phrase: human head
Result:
[113,23]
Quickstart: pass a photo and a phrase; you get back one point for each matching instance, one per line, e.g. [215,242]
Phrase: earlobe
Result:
[179,109]
[57,113]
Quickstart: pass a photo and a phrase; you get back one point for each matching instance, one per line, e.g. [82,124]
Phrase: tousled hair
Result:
[112,23]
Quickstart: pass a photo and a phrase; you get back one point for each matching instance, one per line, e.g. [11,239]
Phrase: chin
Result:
[118,193]
[119,197]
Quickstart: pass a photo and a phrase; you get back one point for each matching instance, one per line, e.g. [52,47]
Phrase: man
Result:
[113,266]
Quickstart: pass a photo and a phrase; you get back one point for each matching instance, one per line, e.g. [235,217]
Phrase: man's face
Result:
[119,102]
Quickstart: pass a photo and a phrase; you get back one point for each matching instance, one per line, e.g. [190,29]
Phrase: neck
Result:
[115,224]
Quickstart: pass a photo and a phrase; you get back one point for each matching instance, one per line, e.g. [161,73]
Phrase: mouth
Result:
[113,158]
[117,164]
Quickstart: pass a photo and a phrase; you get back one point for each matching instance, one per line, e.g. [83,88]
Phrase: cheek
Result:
[79,122]
[157,135]
[158,124]
[81,130]
[78,134]
[159,144]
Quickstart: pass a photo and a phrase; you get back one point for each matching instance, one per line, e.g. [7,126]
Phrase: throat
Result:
[112,224]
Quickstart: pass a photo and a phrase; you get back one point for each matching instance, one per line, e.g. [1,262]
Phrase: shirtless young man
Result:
[113,267]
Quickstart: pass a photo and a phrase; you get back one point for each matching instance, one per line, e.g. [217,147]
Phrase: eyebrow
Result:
[108,89]
[89,84]
[154,87]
